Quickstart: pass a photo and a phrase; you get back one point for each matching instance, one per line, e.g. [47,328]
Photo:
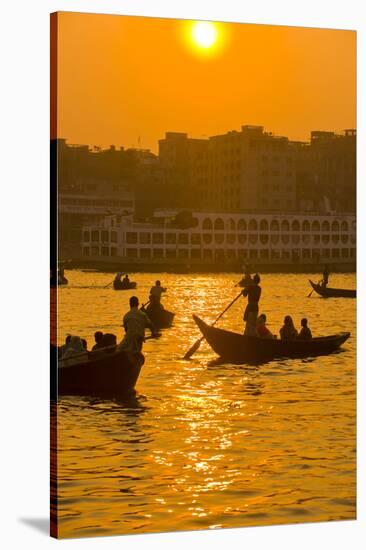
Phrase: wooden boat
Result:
[120,285]
[237,348]
[103,373]
[327,292]
[160,318]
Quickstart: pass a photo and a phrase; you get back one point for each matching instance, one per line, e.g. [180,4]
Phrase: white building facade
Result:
[227,238]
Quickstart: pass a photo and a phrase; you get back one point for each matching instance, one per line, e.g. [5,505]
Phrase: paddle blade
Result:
[193,349]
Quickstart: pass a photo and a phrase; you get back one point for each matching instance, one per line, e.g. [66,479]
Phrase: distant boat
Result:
[237,348]
[327,292]
[120,285]
[102,374]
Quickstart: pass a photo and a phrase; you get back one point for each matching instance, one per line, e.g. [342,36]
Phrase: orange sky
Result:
[121,77]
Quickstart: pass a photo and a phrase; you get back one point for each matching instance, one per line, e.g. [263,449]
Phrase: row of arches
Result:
[252,238]
[264,225]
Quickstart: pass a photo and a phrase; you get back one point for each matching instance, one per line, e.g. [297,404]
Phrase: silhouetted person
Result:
[262,329]
[253,291]
[325,276]
[155,294]
[108,340]
[305,332]
[75,351]
[63,348]
[288,330]
[98,336]
[135,322]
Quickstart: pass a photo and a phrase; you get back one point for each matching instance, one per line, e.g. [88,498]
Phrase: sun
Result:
[206,39]
[204,34]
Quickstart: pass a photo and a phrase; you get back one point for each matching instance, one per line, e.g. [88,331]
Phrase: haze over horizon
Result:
[126,80]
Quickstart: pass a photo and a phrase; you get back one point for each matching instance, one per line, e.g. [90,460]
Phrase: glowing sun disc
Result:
[204,34]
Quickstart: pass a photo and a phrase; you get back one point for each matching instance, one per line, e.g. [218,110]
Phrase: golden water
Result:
[206,446]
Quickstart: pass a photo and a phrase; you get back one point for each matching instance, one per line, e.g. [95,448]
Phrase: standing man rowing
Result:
[135,322]
[253,292]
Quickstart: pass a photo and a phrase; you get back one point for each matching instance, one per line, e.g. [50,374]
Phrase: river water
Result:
[204,446]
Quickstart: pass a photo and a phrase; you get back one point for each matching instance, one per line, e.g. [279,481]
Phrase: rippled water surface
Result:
[204,446]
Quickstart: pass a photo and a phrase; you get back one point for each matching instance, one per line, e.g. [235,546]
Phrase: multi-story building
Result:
[91,184]
[225,239]
[183,163]
[254,170]
[251,170]
[326,172]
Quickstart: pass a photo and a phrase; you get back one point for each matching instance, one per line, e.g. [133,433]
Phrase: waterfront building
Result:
[227,239]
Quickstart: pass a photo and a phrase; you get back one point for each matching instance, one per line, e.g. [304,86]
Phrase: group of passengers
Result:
[287,331]
[135,321]
[76,348]
[255,325]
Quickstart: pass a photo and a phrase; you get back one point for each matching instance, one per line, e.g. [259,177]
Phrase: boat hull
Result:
[160,318]
[108,374]
[237,348]
[326,292]
[118,285]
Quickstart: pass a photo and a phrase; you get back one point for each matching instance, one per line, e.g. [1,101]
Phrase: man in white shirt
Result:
[135,322]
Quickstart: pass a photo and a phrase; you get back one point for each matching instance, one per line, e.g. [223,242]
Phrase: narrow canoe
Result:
[160,318]
[333,292]
[237,348]
[103,374]
[120,285]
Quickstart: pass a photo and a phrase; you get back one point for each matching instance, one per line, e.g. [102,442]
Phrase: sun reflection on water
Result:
[206,445]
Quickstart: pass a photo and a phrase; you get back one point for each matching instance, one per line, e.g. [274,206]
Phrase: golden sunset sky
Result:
[121,77]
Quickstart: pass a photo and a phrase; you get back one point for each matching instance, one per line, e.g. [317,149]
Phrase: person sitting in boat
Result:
[75,351]
[325,279]
[118,277]
[135,322]
[98,336]
[262,329]
[126,280]
[85,344]
[253,292]
[65,345]
[288,330]
[155,294]
[109,340]
[305,332]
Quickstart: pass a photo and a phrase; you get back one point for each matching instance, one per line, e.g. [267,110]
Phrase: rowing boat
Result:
[103,373]
[237,348]
[333,292]
[120,285]
[160,317]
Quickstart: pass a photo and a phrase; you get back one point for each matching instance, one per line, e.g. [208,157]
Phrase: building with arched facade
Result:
[225,238]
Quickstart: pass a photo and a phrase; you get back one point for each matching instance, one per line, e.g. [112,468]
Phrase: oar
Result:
[310,293]
[112,281]
[197,344]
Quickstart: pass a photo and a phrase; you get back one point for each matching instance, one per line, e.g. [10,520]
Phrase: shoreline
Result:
[193,267]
